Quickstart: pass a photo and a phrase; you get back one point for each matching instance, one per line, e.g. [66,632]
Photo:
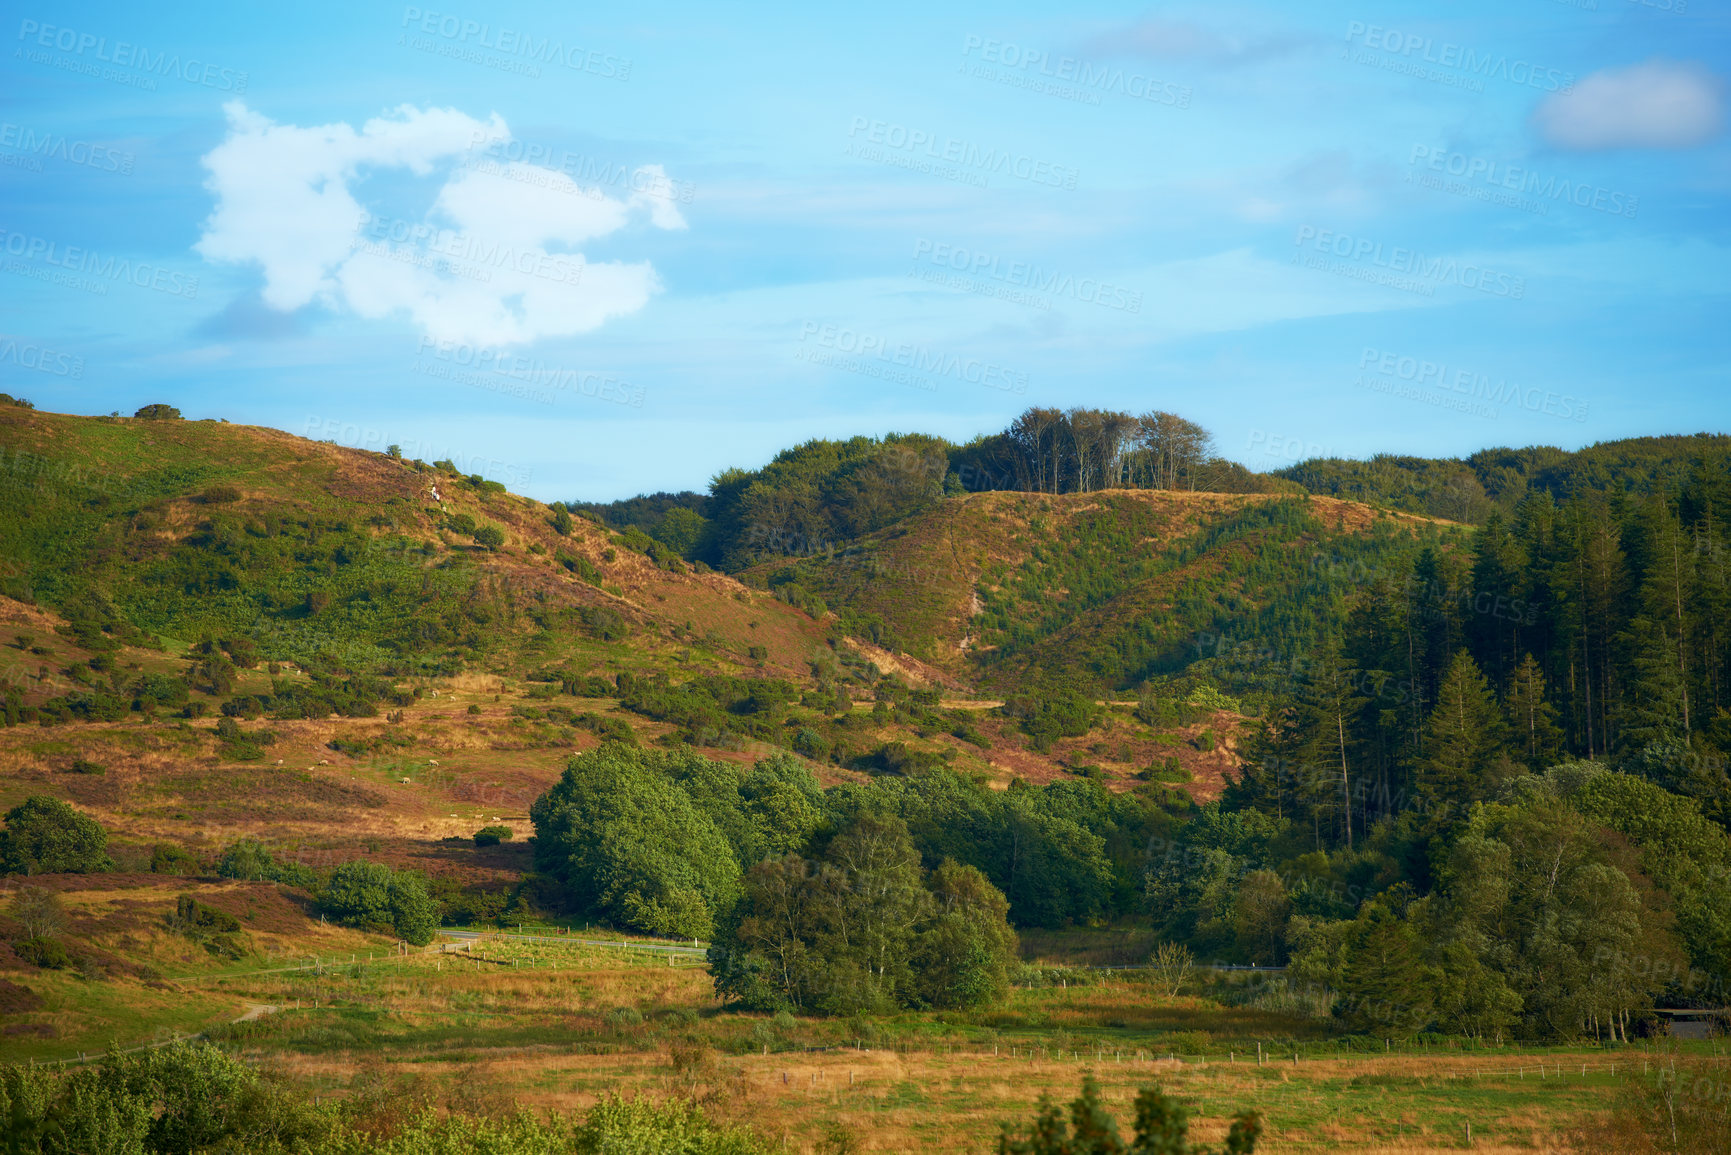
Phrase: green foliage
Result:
[239,744]
[863,929]
[168,1100]
[632,846]
[492,835]
[158,412]
[489,537]
[1208,697]
[220,493]
[46,836]
[251,861]
[818,493]
[582,567]
[716,710]
[1059,713]
[192,1097]
[1500,478]
[215,930]
[168,859]
[372,896]
[1162,1128]
[47,953]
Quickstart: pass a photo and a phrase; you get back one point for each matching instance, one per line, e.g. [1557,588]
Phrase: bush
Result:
[216,930]
[603,622]
[1065,713]
[250,861]
[372,896]
[85,766]
[811,744]
[489,537]
[46,953]
[492,835]
[221,494]
[1161,1125]
[166,859]
[581,566]
[46,836]
[158,412]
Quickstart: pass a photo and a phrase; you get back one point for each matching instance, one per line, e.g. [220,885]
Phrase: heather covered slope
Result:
[1112,587]
[175,530]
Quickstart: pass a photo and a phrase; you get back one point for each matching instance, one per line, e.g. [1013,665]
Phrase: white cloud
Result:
[1158,39]
[1659,104]
[494,261]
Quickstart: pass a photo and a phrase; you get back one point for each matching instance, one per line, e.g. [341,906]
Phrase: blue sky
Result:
[592,255]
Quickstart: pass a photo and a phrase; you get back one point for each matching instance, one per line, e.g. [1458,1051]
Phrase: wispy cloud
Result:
[1183,40]
[1658,104]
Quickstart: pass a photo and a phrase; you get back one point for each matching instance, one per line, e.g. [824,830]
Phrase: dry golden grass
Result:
[548,1038]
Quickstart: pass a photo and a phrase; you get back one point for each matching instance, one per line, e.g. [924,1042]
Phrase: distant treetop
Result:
[159,412]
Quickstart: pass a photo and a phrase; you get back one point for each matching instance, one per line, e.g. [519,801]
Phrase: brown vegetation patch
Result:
[16,999]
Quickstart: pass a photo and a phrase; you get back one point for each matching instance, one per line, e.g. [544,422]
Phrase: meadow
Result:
[547,1022]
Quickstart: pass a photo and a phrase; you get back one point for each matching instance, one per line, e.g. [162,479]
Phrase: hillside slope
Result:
[1113,586]
[177,530]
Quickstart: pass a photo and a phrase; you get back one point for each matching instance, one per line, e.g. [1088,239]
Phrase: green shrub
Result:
[492,835]
[811,744]
[489,537]
[581,566]
[372,896]
[216,930]
[158,412]
[220,494]
[603,622]
[1208,697]
[251,861]
[46,953]
[85,766]
[166,859]
[1161,1126]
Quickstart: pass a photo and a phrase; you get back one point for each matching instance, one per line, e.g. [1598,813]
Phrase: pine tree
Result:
[1322,733]
[1668,586]
[1493,607]
[1462,735]
[1386,989]
[1533,728]
[1652,708]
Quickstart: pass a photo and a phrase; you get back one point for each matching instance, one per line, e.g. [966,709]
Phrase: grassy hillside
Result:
[1112,587]
[167,531]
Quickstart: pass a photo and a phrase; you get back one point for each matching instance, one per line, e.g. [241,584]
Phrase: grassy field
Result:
[552,1024]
